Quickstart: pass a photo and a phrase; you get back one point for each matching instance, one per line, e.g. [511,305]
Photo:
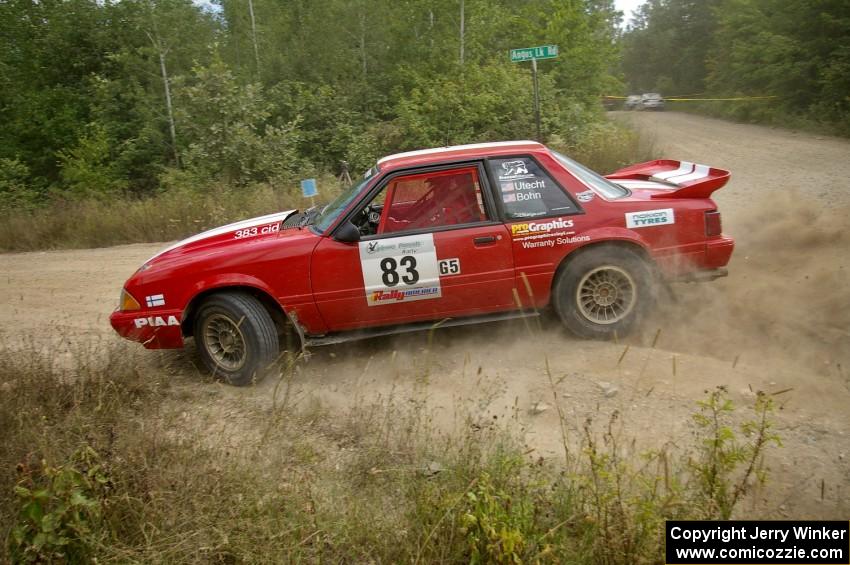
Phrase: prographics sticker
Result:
[400,269]
[650,218]
[540,227]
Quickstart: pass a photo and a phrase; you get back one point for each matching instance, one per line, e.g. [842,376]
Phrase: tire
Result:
[604,292]
[236,338]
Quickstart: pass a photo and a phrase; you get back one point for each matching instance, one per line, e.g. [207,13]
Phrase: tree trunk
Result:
[462,22]
[254,36]
[171,127]
[162,52]
[363,43]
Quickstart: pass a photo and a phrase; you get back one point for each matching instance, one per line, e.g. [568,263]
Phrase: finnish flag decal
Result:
[155,300]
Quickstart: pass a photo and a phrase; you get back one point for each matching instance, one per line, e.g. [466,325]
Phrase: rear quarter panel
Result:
[676,246]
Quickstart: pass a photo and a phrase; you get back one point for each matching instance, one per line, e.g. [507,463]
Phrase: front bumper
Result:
[159,329]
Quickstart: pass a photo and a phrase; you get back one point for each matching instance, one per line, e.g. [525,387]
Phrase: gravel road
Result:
[781,320]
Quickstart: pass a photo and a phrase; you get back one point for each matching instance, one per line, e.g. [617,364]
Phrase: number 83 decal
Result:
[403,269]
[390,274]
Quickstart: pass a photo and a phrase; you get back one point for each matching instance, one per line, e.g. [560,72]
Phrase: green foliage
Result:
[153,482]
[482,103]
[606,147]
[794,51]
[87,169]
[494,523]
[14,192]
[226,130]
[666,48]
[104,97]
[60,509]
[726,465]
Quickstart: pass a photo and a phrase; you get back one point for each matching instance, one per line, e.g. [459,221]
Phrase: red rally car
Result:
[456,234]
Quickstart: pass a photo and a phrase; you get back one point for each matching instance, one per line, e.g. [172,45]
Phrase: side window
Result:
[527,191]
[424,201]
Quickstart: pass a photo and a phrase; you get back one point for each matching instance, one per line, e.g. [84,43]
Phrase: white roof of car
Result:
[492,145]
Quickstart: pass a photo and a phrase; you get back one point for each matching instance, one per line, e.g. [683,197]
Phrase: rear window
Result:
[599,184]
[527,191]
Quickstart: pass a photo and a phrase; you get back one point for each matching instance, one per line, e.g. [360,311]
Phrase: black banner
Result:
[743,542]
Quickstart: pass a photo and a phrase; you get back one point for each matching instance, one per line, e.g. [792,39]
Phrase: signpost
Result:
[533,54]
[309,190]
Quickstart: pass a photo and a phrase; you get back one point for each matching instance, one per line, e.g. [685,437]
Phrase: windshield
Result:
[331,212]
[599,184]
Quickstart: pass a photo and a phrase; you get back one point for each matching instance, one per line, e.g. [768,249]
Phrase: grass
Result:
[165,217]
[106,457]
[609,146]
[179,213]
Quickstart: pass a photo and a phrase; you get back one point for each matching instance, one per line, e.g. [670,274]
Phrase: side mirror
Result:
[347,233]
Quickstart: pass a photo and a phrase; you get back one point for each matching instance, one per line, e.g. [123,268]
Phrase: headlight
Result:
[127,302]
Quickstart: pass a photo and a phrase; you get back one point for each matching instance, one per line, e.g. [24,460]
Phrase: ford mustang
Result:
[454,235]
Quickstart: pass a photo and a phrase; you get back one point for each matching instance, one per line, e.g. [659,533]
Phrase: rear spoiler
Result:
[686,180]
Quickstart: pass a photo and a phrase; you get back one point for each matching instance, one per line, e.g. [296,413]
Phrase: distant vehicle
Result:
[633,102]
[651,101]
[454,235]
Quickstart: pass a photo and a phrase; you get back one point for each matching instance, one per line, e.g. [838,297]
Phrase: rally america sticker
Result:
[650,218]
[155,300]
[400,269]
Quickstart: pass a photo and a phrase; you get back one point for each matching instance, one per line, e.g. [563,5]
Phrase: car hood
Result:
[246,230]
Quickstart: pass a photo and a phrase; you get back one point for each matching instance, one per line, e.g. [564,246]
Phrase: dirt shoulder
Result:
[779,322]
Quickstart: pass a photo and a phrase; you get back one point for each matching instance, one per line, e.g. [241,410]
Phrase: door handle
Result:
[484,239]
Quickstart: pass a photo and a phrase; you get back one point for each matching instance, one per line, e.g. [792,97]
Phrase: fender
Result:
[227,279]
[303,314]
[221,280]
[542,277]
[608,234]
[604,236]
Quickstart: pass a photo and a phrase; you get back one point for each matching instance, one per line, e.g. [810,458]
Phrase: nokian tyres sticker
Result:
[650,218]
[400,269]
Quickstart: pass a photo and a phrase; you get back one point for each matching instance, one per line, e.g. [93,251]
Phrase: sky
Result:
[627,7]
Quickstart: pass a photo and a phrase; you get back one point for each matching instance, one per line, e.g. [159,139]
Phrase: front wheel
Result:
[236,338]
[603,292]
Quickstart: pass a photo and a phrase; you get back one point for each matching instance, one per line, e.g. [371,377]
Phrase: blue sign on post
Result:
[308,188]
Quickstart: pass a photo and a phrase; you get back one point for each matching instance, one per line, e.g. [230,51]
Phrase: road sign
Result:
[308,188]
[533,53]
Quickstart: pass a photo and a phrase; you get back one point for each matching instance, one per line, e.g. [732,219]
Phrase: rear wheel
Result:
[236,338]
[603,291]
